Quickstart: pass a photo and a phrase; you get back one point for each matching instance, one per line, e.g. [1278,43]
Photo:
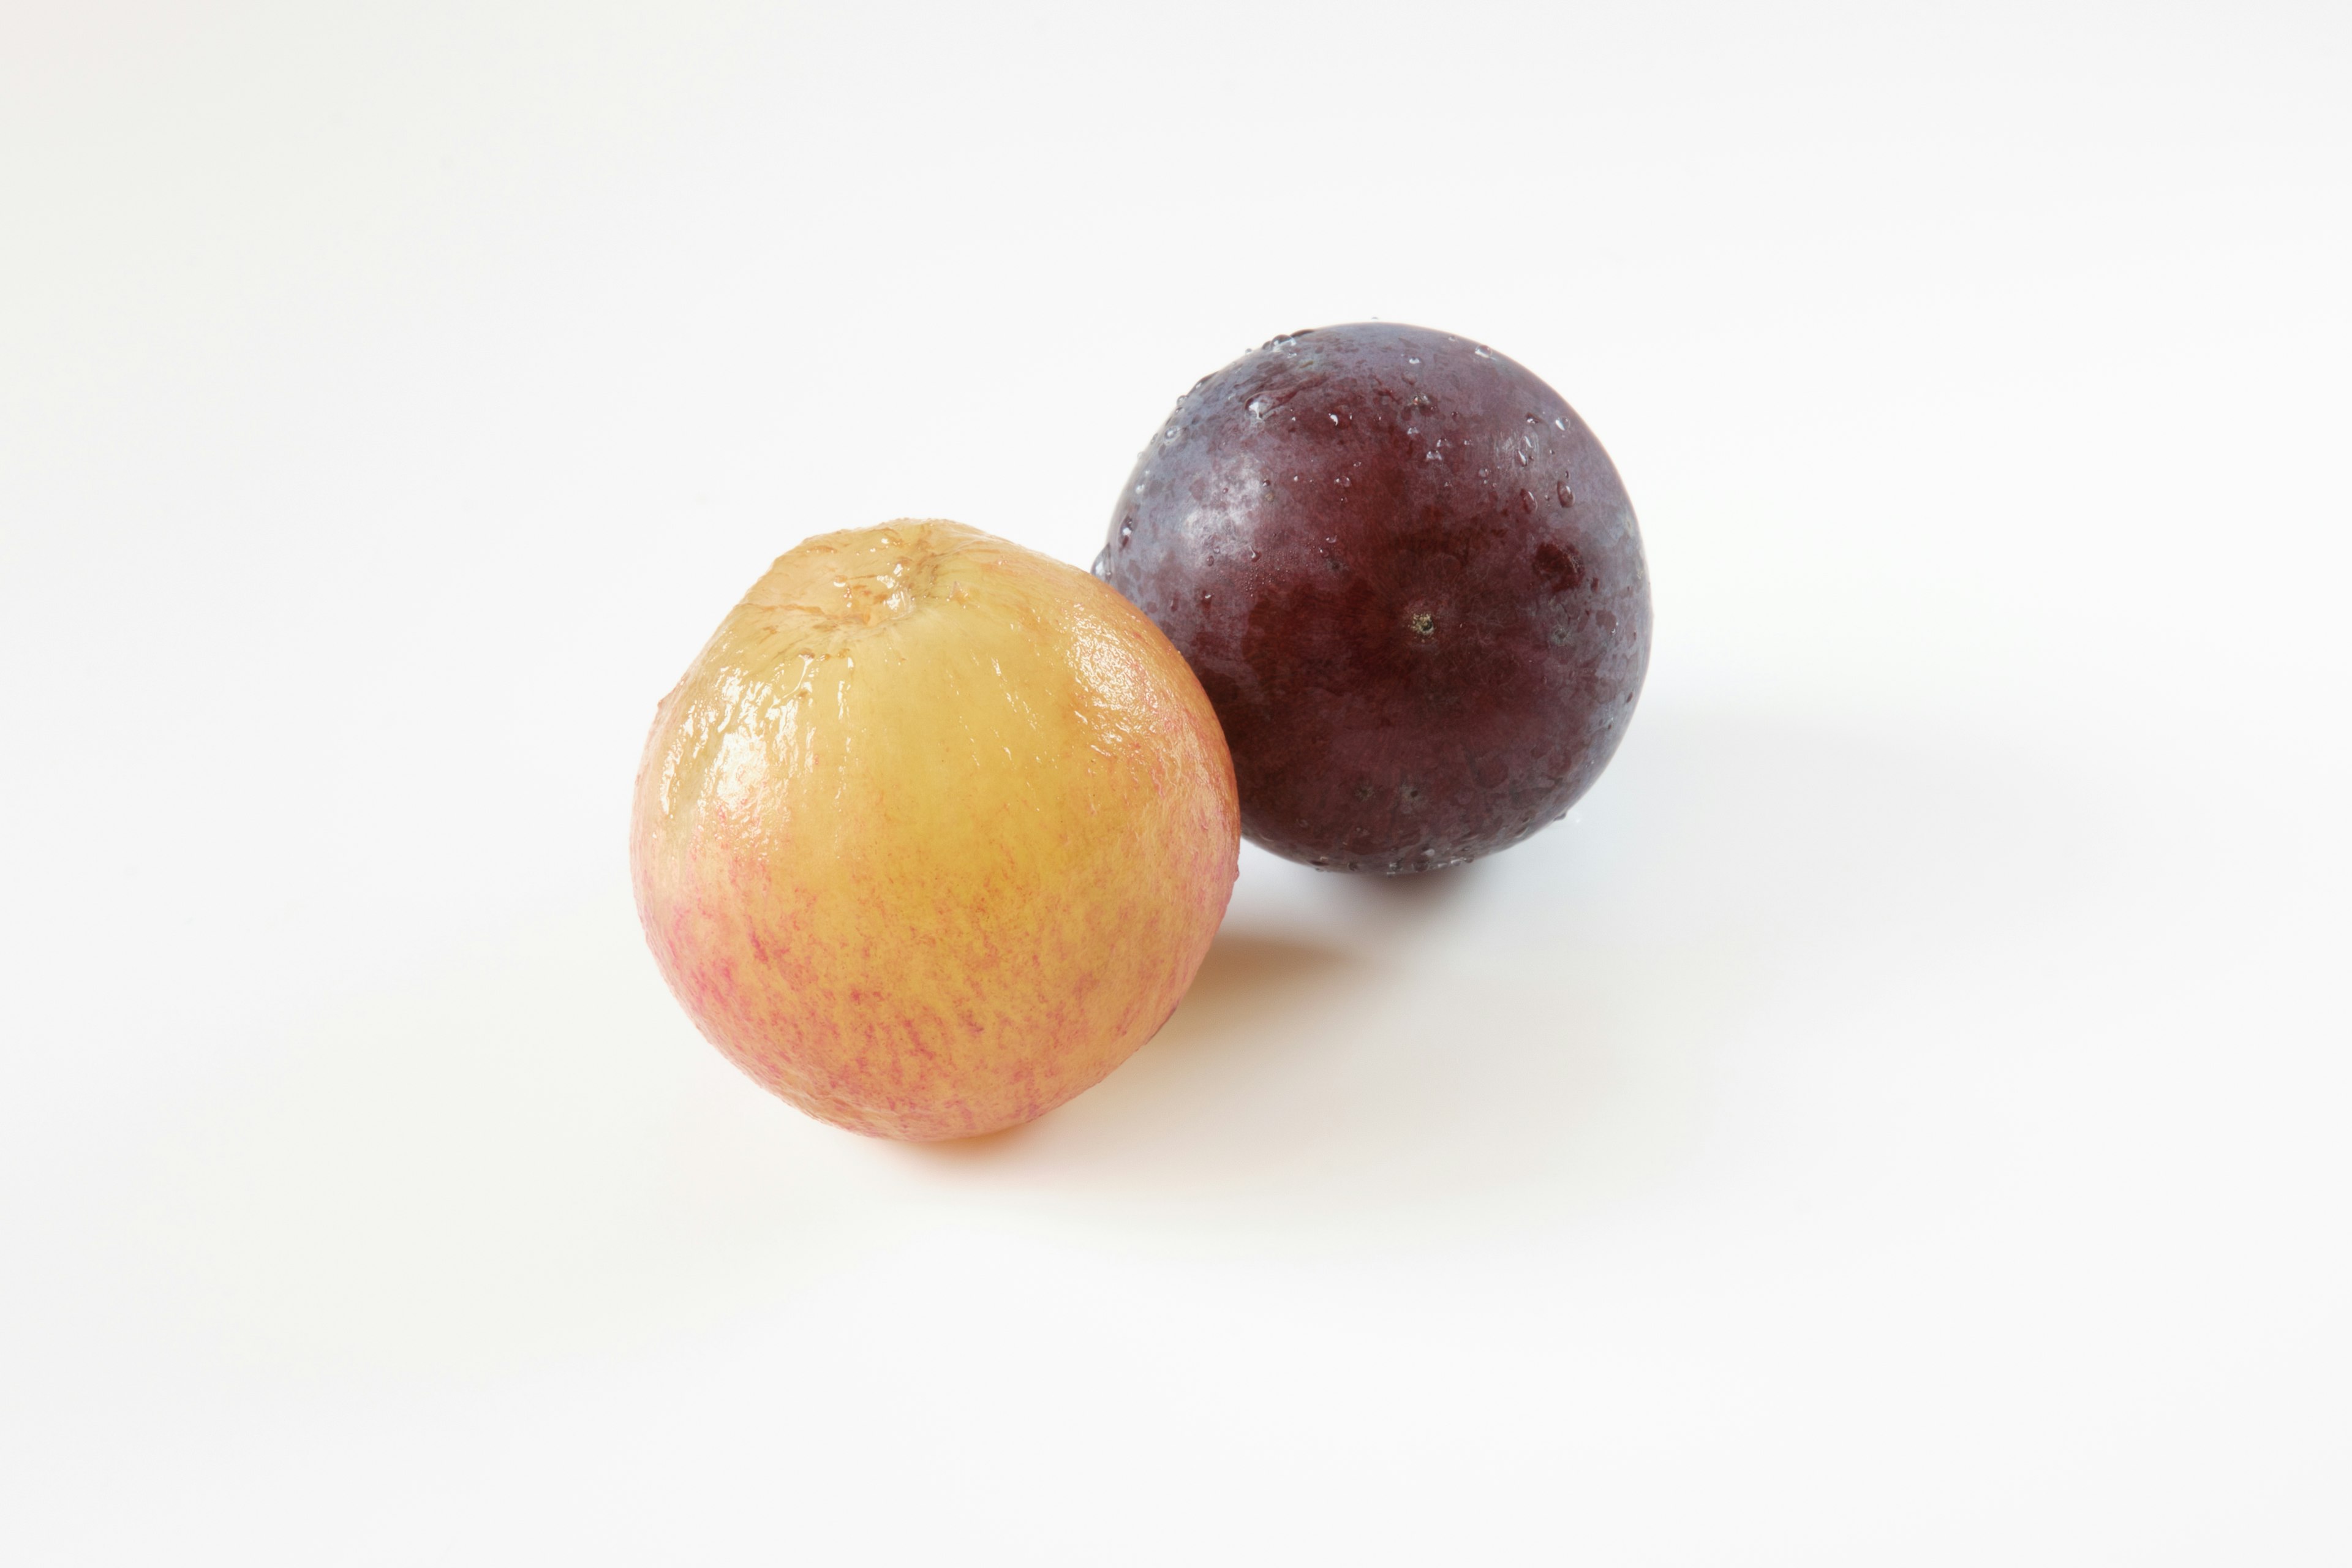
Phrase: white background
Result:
[1901,1117]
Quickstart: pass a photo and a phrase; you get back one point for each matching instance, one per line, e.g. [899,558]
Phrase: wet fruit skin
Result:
[1409,579]
[934,832]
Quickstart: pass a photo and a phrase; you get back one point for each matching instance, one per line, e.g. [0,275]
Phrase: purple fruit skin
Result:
[1410,581]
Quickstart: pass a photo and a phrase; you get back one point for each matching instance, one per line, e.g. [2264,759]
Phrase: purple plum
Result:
[1409,580]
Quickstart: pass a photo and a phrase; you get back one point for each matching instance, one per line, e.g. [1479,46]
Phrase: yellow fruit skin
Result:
[934,833]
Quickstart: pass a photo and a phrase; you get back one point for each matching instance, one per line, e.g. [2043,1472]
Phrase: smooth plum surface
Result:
[1410,581]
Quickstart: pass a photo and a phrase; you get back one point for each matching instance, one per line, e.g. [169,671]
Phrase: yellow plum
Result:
[934,833]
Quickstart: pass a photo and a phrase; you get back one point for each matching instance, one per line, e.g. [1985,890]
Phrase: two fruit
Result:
[936,831]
